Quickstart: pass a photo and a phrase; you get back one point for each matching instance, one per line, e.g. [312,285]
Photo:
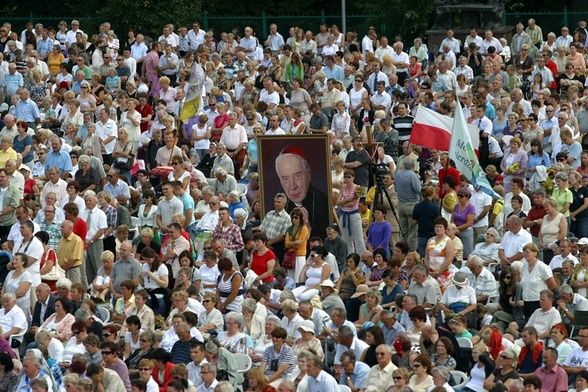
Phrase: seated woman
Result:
[418,316]
[505,372]
[101,284]
[278,359]
[421,378]
[442,355]
[233,339]
[391,287]
[459,326]
[313,273]
[369,312]
[211,320]
[221,356]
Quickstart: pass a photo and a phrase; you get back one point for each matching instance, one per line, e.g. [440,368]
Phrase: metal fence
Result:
[260,24]
[548,21]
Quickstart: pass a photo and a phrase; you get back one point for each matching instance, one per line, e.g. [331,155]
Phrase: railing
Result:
[548,21]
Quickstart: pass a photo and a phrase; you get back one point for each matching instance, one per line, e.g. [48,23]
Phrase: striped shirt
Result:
[275,360]
[404,127]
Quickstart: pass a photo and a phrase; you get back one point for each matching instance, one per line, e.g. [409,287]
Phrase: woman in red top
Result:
[162,368]
[415,68]
[30,185]
[220,122]
[48,261]
[263,259]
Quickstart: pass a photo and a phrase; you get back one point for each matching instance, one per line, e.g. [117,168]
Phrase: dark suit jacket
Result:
[37,313]
[316,202]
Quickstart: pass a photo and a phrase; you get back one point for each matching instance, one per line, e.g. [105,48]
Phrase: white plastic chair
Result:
[495,298]
[14,337]
[460,378]
[243,362]
[104,314]
[242,188]
[465,343]
[344,388]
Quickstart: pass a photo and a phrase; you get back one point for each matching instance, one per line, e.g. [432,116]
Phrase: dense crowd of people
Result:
[138,259]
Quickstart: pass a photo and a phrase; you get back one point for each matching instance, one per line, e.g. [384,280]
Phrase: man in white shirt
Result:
[482,202]
[384,49]
[208,374]
[473,37]
[375,77]
[71,35]
[401,61]
[274,126]
[380,376]
[348,341]
[12,318]
[198,355]
[490,41]
[107,131]
[451,41]
[97,224]
[511,246]
[464,69]
[274,40]
[381,100]
[209,221]
[367,43]
[565,39]
[268,94]
[195,36]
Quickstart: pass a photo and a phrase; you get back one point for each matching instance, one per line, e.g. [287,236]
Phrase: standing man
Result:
[408,188]
[511,246]
[274,40]
[58,158]
[107,131]
[519,39]
[96,222]
[70,252]
[535,33]
[482,203]
[401,61]
[167,207]
[52,227]
[27,110]
[403,123]
[228,232]
[274,225]
[358,160]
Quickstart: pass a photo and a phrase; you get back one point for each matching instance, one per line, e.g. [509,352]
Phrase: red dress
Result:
[259,263]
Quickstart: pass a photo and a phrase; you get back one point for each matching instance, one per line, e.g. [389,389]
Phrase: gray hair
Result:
[495,232]
[477,260]
[566,288]
[421,268]
[236,317]
[275,319]
[441,371]
[518,384]
[517,265]
[561,176]
[208,190]
[83,159]
[249,304]
[63,283]
[289,385]
[409,163]
[224,386]
[209,367]
[82,315]
[11,296]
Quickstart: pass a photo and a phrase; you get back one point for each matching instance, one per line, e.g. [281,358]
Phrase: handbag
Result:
[125,163]
[289,261]
[56,272]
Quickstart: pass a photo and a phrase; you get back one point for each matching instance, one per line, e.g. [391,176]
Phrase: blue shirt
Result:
[359,375]
[13,83]
[335,73]
[27,110]
[188,203]
[61,160]
[121,188]
[20,145]
[44,46]
[323,383]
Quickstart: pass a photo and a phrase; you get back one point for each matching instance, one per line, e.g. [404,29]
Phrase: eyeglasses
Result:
[212,204]
[41,153]
[119,59]
[106,335]
[378,354]
[208,248]
[145,369]
[76,332]
[295,217]
[212,104]
[176,163]
[144,340]
[561,159]
[504,356]
[462,195]
[507,277]
[206,301]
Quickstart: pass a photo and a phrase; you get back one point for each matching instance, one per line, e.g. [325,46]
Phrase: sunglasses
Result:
[313,255]
[106,335]
[76,332]
[206,301]
[106,352]
[145,369]
[144,340]
[176,163]
[397,377]
[504,357]
[416,365]
[212,204]
[507,277]
[109,176]
[347,176]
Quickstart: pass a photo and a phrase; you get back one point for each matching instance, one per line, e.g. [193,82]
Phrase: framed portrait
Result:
[300,167]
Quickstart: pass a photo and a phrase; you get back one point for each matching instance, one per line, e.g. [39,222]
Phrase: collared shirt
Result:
[466,71]
[230,236]
[543,321]
[54,231]
[513,243]
[357,346]
[554,380]
[121,188]
[426,292]
[167,208]
[12,82]
[203,388]
[70,248]
[233,137]
[452,42]
[61,160]
[380,379]
[275,224]
[195,39]
[104,131]
[484,283]
[194,372]
[44,46]
[358,377]
[138,50]
[324,382]
[27,110]
[208,222]
[390,333]
[335,73]
[97,223]
[453,294]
